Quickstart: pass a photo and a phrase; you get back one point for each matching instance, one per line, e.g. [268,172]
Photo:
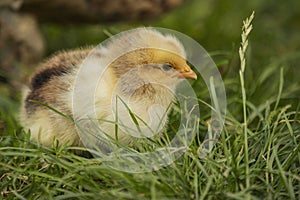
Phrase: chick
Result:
[146,77]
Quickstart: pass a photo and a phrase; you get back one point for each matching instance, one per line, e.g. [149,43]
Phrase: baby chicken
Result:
[146,76]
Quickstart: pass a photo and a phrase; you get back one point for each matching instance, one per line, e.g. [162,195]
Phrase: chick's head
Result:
[152,57]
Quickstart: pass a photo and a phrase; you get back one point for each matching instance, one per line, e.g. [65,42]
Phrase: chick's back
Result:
[51,85]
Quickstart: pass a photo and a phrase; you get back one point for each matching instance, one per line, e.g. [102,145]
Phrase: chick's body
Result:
[146,76]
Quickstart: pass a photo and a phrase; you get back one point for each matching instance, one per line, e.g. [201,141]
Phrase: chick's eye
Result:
[167,67]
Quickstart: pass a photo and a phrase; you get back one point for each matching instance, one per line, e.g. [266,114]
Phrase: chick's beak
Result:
[189,74]
[185,71]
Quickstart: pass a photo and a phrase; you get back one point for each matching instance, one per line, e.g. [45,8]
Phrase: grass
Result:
[256,157]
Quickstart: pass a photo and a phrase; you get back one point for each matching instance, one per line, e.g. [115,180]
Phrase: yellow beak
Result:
[190,74]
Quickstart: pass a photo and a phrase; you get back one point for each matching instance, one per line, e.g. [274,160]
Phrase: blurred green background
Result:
[216,24]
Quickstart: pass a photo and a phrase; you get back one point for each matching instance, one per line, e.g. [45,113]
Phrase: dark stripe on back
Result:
[59,65]
[44,76]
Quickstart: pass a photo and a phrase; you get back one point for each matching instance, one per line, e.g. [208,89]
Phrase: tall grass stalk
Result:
[247,27]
